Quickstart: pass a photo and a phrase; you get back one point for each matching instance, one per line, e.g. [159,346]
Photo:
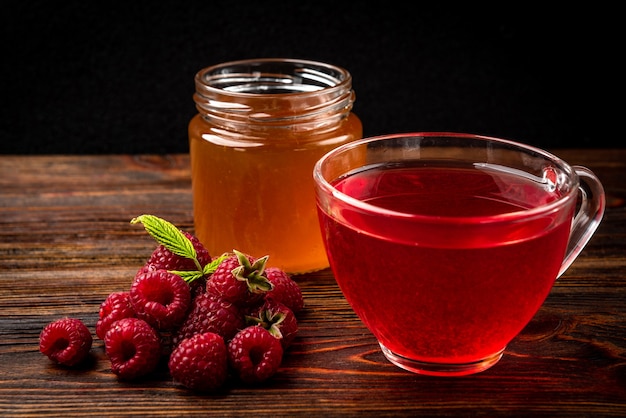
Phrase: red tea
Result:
[461,272]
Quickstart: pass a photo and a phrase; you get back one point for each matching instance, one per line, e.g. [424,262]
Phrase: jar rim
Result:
[273,90]
[271,77]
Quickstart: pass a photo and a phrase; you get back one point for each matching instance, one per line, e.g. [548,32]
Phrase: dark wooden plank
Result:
[66,243]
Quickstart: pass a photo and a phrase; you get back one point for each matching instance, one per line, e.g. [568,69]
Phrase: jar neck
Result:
[273,92]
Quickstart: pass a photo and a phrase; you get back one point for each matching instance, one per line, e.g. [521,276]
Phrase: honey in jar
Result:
[261,126]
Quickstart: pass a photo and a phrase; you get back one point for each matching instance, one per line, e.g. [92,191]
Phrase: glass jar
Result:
[261,126]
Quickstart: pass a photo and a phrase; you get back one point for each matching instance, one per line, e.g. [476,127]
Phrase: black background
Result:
[89,77]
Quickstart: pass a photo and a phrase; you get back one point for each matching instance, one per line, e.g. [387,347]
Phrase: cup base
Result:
[441,369]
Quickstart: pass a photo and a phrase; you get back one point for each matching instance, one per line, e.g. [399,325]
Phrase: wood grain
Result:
[66,243]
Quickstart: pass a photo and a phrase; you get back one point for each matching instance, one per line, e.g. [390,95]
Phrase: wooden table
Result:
[66,243]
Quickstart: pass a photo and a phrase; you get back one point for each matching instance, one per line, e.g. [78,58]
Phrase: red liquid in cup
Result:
[454,287]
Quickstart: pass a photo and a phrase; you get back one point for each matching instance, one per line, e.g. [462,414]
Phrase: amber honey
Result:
[261,126]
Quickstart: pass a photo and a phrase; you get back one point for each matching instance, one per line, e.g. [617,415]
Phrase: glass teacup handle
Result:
[592,202]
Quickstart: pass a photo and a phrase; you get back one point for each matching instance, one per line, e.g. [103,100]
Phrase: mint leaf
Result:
[188,276]
[212,266]
[167,235]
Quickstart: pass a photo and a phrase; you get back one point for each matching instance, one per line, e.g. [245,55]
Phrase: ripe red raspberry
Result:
[284,289]
[210,313]
[65,341]
[278,319]
[160,298]
[133,347]
[200,363]
[197,285]
[116,306]
[162,258]
[254,354]
[239,279]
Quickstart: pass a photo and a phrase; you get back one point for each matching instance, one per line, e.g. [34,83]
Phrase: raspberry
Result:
[145,269]
[116,306]
[197,286]
[284,289]
[210,313]
[65,341]
[254,354]
[278,319]
[201,362]
[133,347]
[160,298]
[162,258]
[239,279]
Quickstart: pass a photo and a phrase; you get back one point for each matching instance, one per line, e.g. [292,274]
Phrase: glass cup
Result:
[446,245]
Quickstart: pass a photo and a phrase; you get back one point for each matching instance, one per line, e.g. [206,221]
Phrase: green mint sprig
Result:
[190,276]
[168,235]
